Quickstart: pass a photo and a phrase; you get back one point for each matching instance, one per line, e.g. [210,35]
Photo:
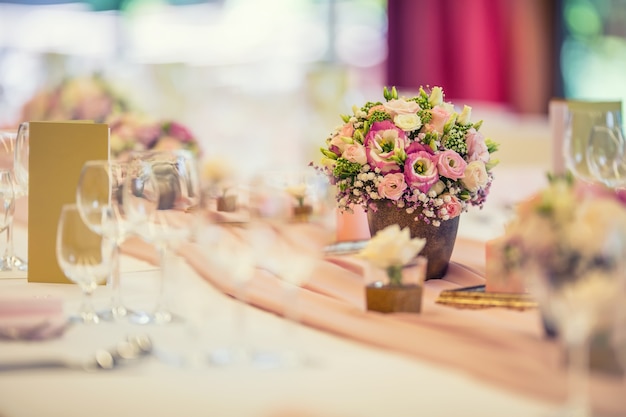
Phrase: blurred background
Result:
[256,80]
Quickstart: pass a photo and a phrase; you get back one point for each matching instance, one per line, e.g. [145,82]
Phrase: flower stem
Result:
[394,273]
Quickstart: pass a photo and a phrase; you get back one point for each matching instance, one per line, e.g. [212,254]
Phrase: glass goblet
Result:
[7,208]
[84,257]
[294,220]
[9,260]
[606,156]
[169,210]
[581,118]
[98,200]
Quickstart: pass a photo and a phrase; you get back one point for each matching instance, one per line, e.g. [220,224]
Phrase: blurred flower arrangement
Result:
[93,98]
[567,230]
[416,153]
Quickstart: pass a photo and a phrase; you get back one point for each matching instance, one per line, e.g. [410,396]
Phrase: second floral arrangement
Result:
[417,153]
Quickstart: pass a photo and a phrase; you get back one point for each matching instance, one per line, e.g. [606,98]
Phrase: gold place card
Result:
[57,153]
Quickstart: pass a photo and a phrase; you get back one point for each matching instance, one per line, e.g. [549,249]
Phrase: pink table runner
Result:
[498,346]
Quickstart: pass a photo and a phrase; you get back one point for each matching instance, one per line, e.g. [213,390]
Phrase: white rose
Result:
[392,247]
[408,122]
[436,96]
[465,116]
[401,106]
[475,176]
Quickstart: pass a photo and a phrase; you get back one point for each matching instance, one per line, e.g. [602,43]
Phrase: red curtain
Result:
[500,51]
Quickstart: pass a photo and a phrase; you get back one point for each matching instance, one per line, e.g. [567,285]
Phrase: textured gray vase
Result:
[439,240]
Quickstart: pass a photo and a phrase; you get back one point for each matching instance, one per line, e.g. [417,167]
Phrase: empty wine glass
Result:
[295,219]
[84,257]
[161,201]
[581,119]
[9,260]
[98,197]
[606,156]
[7,208]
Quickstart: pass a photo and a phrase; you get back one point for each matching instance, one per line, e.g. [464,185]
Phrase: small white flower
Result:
[358,183]
[443,212]
[356,192]
[438,202]
[447,199]
[392,246]
[436,223]
[423,198]
[410,210]
[371,176]
[374,195]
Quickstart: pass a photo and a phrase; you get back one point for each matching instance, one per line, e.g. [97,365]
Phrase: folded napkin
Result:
[28,318]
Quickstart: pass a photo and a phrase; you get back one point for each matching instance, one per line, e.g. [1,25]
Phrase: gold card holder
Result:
[57,153]
[476,298]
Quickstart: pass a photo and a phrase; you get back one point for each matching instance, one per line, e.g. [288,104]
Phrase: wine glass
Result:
[161,200]
[579,287]
[98,198]
[583,118]
[84,257]
[9,261]
[606,156]
[294,217]
[7,208]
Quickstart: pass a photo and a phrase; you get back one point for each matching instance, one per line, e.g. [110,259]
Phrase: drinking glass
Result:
[582,119]
[606,156]
[84,257]
[7,207]
[98,198]
[294,217]
[161,201]
[226,236]
[579,295]
[9,261]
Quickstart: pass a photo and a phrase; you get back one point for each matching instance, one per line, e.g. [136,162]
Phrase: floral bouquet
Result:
[93,98]
[417,153]
[568,229]
[136,132]
[80,98]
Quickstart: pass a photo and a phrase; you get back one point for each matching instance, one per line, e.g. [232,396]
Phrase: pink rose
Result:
[337,145]
[178,131]
[378,107]
[452,206]
[392,186]
[382,143]
[476,146]
[451,165]
[347,130]
[355,153]
[439,118]
[420,171]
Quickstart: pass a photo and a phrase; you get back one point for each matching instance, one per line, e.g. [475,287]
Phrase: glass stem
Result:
[9,251]
[117,308]
[578,378]
[162,315]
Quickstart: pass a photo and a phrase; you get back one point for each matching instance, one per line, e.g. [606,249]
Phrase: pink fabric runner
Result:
[498,346]
[502,347]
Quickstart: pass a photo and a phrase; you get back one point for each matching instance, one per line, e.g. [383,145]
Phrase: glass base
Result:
[156,317]
[13,263]
[115,313]
[86,317]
